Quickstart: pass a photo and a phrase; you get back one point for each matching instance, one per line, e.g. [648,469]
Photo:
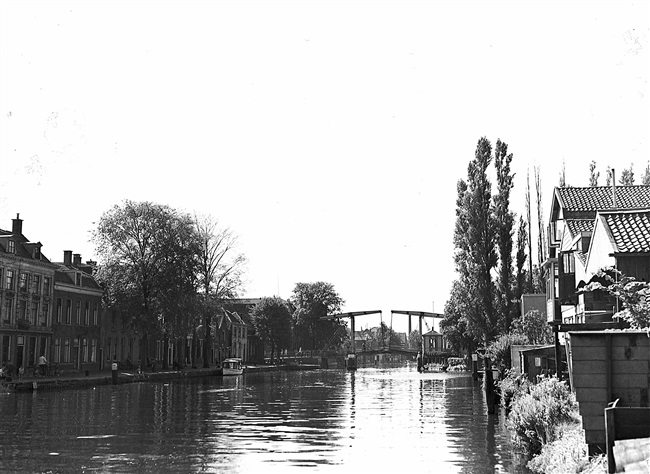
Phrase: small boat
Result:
[232,367]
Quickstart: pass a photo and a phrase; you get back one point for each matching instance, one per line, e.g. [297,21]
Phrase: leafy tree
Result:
[499,350]
[455,325]
[313,302]
[415,339]
[147,266]
[533,327]
[608,177]
[272,321]
[593,174]
[504,222]
[220,270]
[645,179]
[634,296]
[474,239]
[627,176]
[523,283]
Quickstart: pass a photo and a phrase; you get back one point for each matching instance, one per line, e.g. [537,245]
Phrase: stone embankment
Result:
[30,384]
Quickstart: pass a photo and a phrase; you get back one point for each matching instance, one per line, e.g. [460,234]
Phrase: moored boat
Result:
[232,366]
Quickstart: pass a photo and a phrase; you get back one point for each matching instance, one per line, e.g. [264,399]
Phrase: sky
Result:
[329,136]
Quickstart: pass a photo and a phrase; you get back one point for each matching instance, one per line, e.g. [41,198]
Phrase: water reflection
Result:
[331,420]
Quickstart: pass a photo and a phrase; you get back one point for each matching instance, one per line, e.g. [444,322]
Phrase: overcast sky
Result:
[328,135]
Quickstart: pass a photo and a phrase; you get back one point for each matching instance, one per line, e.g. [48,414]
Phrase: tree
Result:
[272,320]
[534,327]
[504,222]
[313,302]
[474,239]
[541,234]
[523,284]
[455,325]
[608,177]
[593,174]
[220,270]
[633,295]
[415,339]
[627,176]
[147,266]
[645,179]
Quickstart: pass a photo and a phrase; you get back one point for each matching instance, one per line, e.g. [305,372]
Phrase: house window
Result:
[77,313]
[1,280]
[7,315]
[37,284]
[78,279]
[34,314]
[68,311]
[46,286]
[44,313]
[95,315]
[93,350]
[84,350]
[57,350]
[21,309]
[87,313]
[10,279]
[22,282]
[11,247]
[59,310]
[66,350]
[569,263]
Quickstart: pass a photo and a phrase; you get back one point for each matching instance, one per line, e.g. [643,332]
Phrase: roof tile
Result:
[630,230]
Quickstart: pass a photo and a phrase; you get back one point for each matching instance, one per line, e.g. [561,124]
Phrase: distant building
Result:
[26,299]
[76,331]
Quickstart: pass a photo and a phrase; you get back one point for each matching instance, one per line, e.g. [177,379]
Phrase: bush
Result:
[512,385]
[568,453]
[537,414]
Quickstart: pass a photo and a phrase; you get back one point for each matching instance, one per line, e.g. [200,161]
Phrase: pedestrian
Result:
[21,372]
[42,365]
[420,365]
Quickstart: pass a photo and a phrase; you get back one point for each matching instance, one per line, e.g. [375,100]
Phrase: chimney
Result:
[77,259]
[67,257]
[614,205]
[17,225]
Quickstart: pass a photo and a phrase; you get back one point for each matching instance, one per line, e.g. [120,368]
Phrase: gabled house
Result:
[26,299]
[572,254]
[252,343]
[76,329]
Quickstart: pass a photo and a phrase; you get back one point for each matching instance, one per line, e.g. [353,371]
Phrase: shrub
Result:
[568,453]
[512,385]
[499,350]
[536,415]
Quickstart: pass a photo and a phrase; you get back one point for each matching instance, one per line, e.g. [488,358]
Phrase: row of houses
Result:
[55,309]
[592,228]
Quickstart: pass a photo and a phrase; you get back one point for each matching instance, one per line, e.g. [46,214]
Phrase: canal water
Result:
[371,420]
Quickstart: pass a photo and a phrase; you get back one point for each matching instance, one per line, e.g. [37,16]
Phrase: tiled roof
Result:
[576,226]
[630,230]
[599,198]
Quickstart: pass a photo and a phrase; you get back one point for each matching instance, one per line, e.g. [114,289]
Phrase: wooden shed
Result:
[605,366]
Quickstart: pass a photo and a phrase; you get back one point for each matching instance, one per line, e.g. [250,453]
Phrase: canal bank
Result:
[106,377]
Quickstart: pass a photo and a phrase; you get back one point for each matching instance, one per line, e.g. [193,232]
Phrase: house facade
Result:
[591,228]
[26,299]
[76,330]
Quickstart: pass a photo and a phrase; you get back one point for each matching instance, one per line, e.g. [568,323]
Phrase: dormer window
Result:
[78,279]
[11,247]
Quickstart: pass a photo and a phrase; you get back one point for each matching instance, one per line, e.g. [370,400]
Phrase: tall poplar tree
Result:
[504,222]
[474,239]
